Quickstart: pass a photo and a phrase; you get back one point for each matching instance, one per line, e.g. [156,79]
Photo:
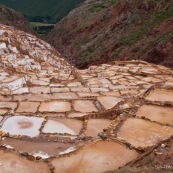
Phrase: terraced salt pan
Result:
[5,98]
[10,162]
[31,48]
[47,87]
[40,90]
[8,105]
[14,85]
[3,75]
[99,157]
[3,111]
[94,126]
[161,95]
[85,106]
[30,107]
[21,97]
[39,82]
[55,106]
[22,125]
[42,149]
[149,70]
[21,90]
[70,126]
[129,92]
[39,97]
[156,113]
[141,133]
[83,94]
[109,102]
[115,93]
[65,96]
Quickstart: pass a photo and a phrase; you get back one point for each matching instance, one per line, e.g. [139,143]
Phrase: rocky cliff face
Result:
[12,18]
[102,31]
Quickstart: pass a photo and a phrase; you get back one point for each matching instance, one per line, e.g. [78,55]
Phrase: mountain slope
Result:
[45,8]
[101,31]
[12,18]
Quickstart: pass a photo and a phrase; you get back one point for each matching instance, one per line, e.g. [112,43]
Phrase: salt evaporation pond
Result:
[22,125]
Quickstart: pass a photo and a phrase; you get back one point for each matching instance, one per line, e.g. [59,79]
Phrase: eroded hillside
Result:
[102,31]
[12,18]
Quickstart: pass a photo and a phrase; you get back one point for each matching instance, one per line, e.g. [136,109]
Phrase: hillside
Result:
[102,31]
[12,18]
[43,10]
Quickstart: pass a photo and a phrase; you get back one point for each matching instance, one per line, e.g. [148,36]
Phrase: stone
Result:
[163,145]
[25,154]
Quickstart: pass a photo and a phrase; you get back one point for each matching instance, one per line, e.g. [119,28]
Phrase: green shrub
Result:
[97,8]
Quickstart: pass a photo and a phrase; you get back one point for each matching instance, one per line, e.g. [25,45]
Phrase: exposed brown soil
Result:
[101,31]
[11,17]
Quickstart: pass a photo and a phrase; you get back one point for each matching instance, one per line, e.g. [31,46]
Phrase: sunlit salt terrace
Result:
[56,117]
